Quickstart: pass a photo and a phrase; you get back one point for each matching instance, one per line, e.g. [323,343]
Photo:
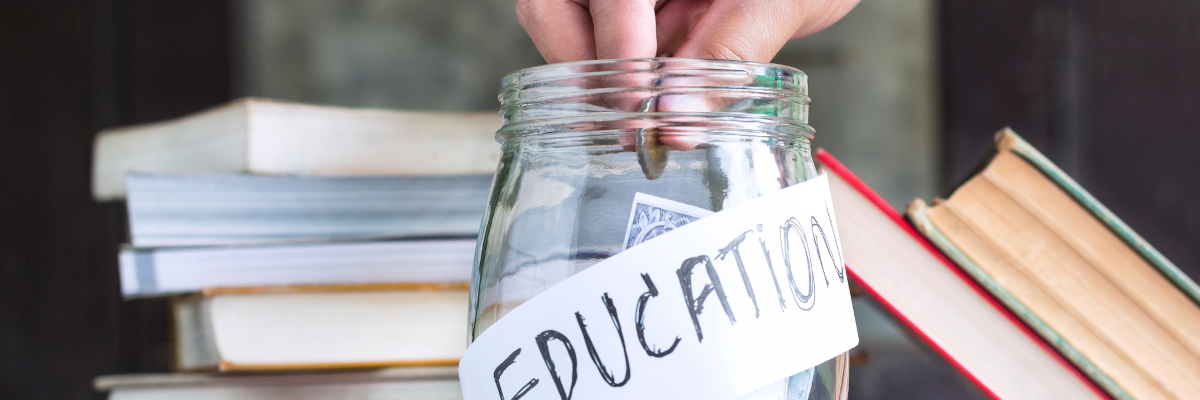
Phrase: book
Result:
[259,136]
[321,327]
[415,383]
[939,304]
[162,271]
[1073,272]
[210,210]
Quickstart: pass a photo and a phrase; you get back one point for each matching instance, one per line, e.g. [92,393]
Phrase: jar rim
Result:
[584,63]
[551,97]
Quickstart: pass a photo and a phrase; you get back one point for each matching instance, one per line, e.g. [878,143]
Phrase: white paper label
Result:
[713,310]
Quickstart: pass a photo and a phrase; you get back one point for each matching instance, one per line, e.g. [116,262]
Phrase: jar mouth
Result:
[533,100]
[642,63]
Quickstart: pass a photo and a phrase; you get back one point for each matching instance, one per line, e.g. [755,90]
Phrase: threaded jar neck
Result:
[749,97]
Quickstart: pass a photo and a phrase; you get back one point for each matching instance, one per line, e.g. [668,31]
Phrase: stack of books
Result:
[316,252]
[1025,283]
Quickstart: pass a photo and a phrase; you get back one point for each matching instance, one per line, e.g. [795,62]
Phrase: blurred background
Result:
[906,93]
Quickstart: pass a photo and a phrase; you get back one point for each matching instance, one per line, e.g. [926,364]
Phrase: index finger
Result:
[624,28]
[561,29]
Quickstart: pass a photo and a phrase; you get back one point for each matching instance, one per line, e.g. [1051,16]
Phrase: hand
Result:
[751,30]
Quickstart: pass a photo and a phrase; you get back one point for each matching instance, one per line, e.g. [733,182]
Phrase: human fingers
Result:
[685,132]
[561,29]
[823,17]
[624,28]
[756,30]
[675,18]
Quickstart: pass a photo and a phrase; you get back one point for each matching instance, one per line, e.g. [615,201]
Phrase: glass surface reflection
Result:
[580,139]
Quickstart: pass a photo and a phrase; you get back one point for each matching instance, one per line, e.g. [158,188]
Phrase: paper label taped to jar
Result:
[713,310]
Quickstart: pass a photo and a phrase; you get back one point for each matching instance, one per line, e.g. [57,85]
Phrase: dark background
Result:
[1110,90]
[68,69]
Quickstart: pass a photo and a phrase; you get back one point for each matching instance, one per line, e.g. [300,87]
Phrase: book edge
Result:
[221,364]
[921,333]
[138,268]
[107,184]
[227,366]
[829,162]
[337,288]
[102,186]
[146,380]
[1096,377]
[206,348]
[1009,140]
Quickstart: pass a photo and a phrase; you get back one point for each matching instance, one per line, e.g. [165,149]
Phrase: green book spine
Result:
[1013,142]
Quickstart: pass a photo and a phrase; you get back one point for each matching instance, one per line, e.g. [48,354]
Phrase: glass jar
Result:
[580,139]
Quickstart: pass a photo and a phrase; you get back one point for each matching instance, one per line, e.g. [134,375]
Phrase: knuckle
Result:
[525,10]
[726,51]
[614,8]
[601,10]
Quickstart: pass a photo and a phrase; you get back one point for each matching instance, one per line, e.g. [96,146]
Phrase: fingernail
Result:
[683,103]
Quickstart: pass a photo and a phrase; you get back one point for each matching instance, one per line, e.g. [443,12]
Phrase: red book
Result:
[941,305]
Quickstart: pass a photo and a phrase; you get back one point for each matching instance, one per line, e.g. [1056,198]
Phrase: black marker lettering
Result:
[771,268]
[587,340]
[836,240]
[818,247]
[543,340]
[639,320]
[695,304]
[802,300]
[512,358]
[732,247]
[841,273]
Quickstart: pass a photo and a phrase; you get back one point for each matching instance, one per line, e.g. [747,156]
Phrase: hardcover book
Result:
[939,304]
[321,327]
[259,136]
[164,271]
[409,383]
[214,210]
[1072,271]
